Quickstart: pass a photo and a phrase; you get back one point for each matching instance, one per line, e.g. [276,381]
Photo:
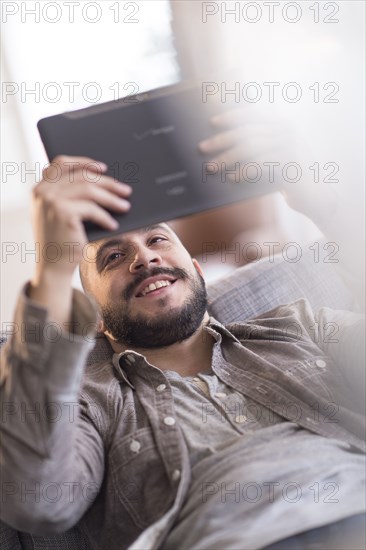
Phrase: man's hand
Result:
[73,190]
[241,139]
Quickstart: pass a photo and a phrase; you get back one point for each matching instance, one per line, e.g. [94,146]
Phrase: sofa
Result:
[241,295]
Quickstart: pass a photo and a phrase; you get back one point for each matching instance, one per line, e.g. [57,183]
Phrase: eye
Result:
[157,239]
[113,256]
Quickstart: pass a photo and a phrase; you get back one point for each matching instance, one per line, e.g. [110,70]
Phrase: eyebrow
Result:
[120,241]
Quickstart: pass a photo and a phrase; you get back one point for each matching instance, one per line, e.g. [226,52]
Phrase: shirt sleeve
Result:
[341,336]
[52,458]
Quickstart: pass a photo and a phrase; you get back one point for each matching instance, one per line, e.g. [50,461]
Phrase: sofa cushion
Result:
[264,285]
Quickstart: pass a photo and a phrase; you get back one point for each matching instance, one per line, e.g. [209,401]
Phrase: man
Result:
[194,435]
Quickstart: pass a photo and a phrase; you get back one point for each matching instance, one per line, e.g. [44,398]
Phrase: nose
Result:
[144,257]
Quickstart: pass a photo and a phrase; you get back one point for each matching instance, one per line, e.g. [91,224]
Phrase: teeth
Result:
[155,286]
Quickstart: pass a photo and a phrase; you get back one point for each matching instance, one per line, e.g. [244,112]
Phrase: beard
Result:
[163,330]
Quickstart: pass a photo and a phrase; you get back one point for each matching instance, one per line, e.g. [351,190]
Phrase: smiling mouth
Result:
[155,287]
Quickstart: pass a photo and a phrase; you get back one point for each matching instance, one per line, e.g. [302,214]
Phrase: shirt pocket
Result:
[139,479]
[314,373]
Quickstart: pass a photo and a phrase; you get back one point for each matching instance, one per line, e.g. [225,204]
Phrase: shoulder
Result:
[298,309]
[283,321]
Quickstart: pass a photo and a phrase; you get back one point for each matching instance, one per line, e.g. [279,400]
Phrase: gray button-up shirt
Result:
[102,445]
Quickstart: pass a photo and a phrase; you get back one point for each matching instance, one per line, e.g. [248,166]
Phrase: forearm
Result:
[44,440]
[53,290]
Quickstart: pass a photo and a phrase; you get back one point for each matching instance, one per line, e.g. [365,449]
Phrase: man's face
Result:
[150,292]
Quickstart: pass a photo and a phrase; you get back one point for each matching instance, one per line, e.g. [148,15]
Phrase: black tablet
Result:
[150,141]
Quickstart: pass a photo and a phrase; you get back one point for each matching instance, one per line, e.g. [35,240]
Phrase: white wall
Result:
[133,45]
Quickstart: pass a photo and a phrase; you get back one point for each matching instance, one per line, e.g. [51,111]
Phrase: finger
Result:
[237,153]
[82,189]
[77,187]
[97,194]
[253,148]
[107,182]
[234,117]
[219,142]
[89,211]
[63,164]
[80,162]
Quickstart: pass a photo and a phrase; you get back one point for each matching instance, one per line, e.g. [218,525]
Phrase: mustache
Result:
[175,272]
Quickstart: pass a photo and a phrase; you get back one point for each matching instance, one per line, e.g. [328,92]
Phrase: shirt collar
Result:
[126,358]
[217,330]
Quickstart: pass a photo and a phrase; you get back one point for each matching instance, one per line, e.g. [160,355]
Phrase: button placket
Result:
[176,475]
[135,446]
[166,426]
[169,420]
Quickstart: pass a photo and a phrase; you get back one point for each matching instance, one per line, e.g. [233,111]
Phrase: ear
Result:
[198,267]
[100,325]
[104,331]
[99,321]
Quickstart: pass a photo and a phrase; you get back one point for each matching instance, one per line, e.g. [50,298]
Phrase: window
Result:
[60,56]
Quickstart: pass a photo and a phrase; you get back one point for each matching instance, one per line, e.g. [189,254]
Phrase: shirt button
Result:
[176,475]
[220,394]
[135,446]
[169,421]
[161,387]
[320,363]
[240,418]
